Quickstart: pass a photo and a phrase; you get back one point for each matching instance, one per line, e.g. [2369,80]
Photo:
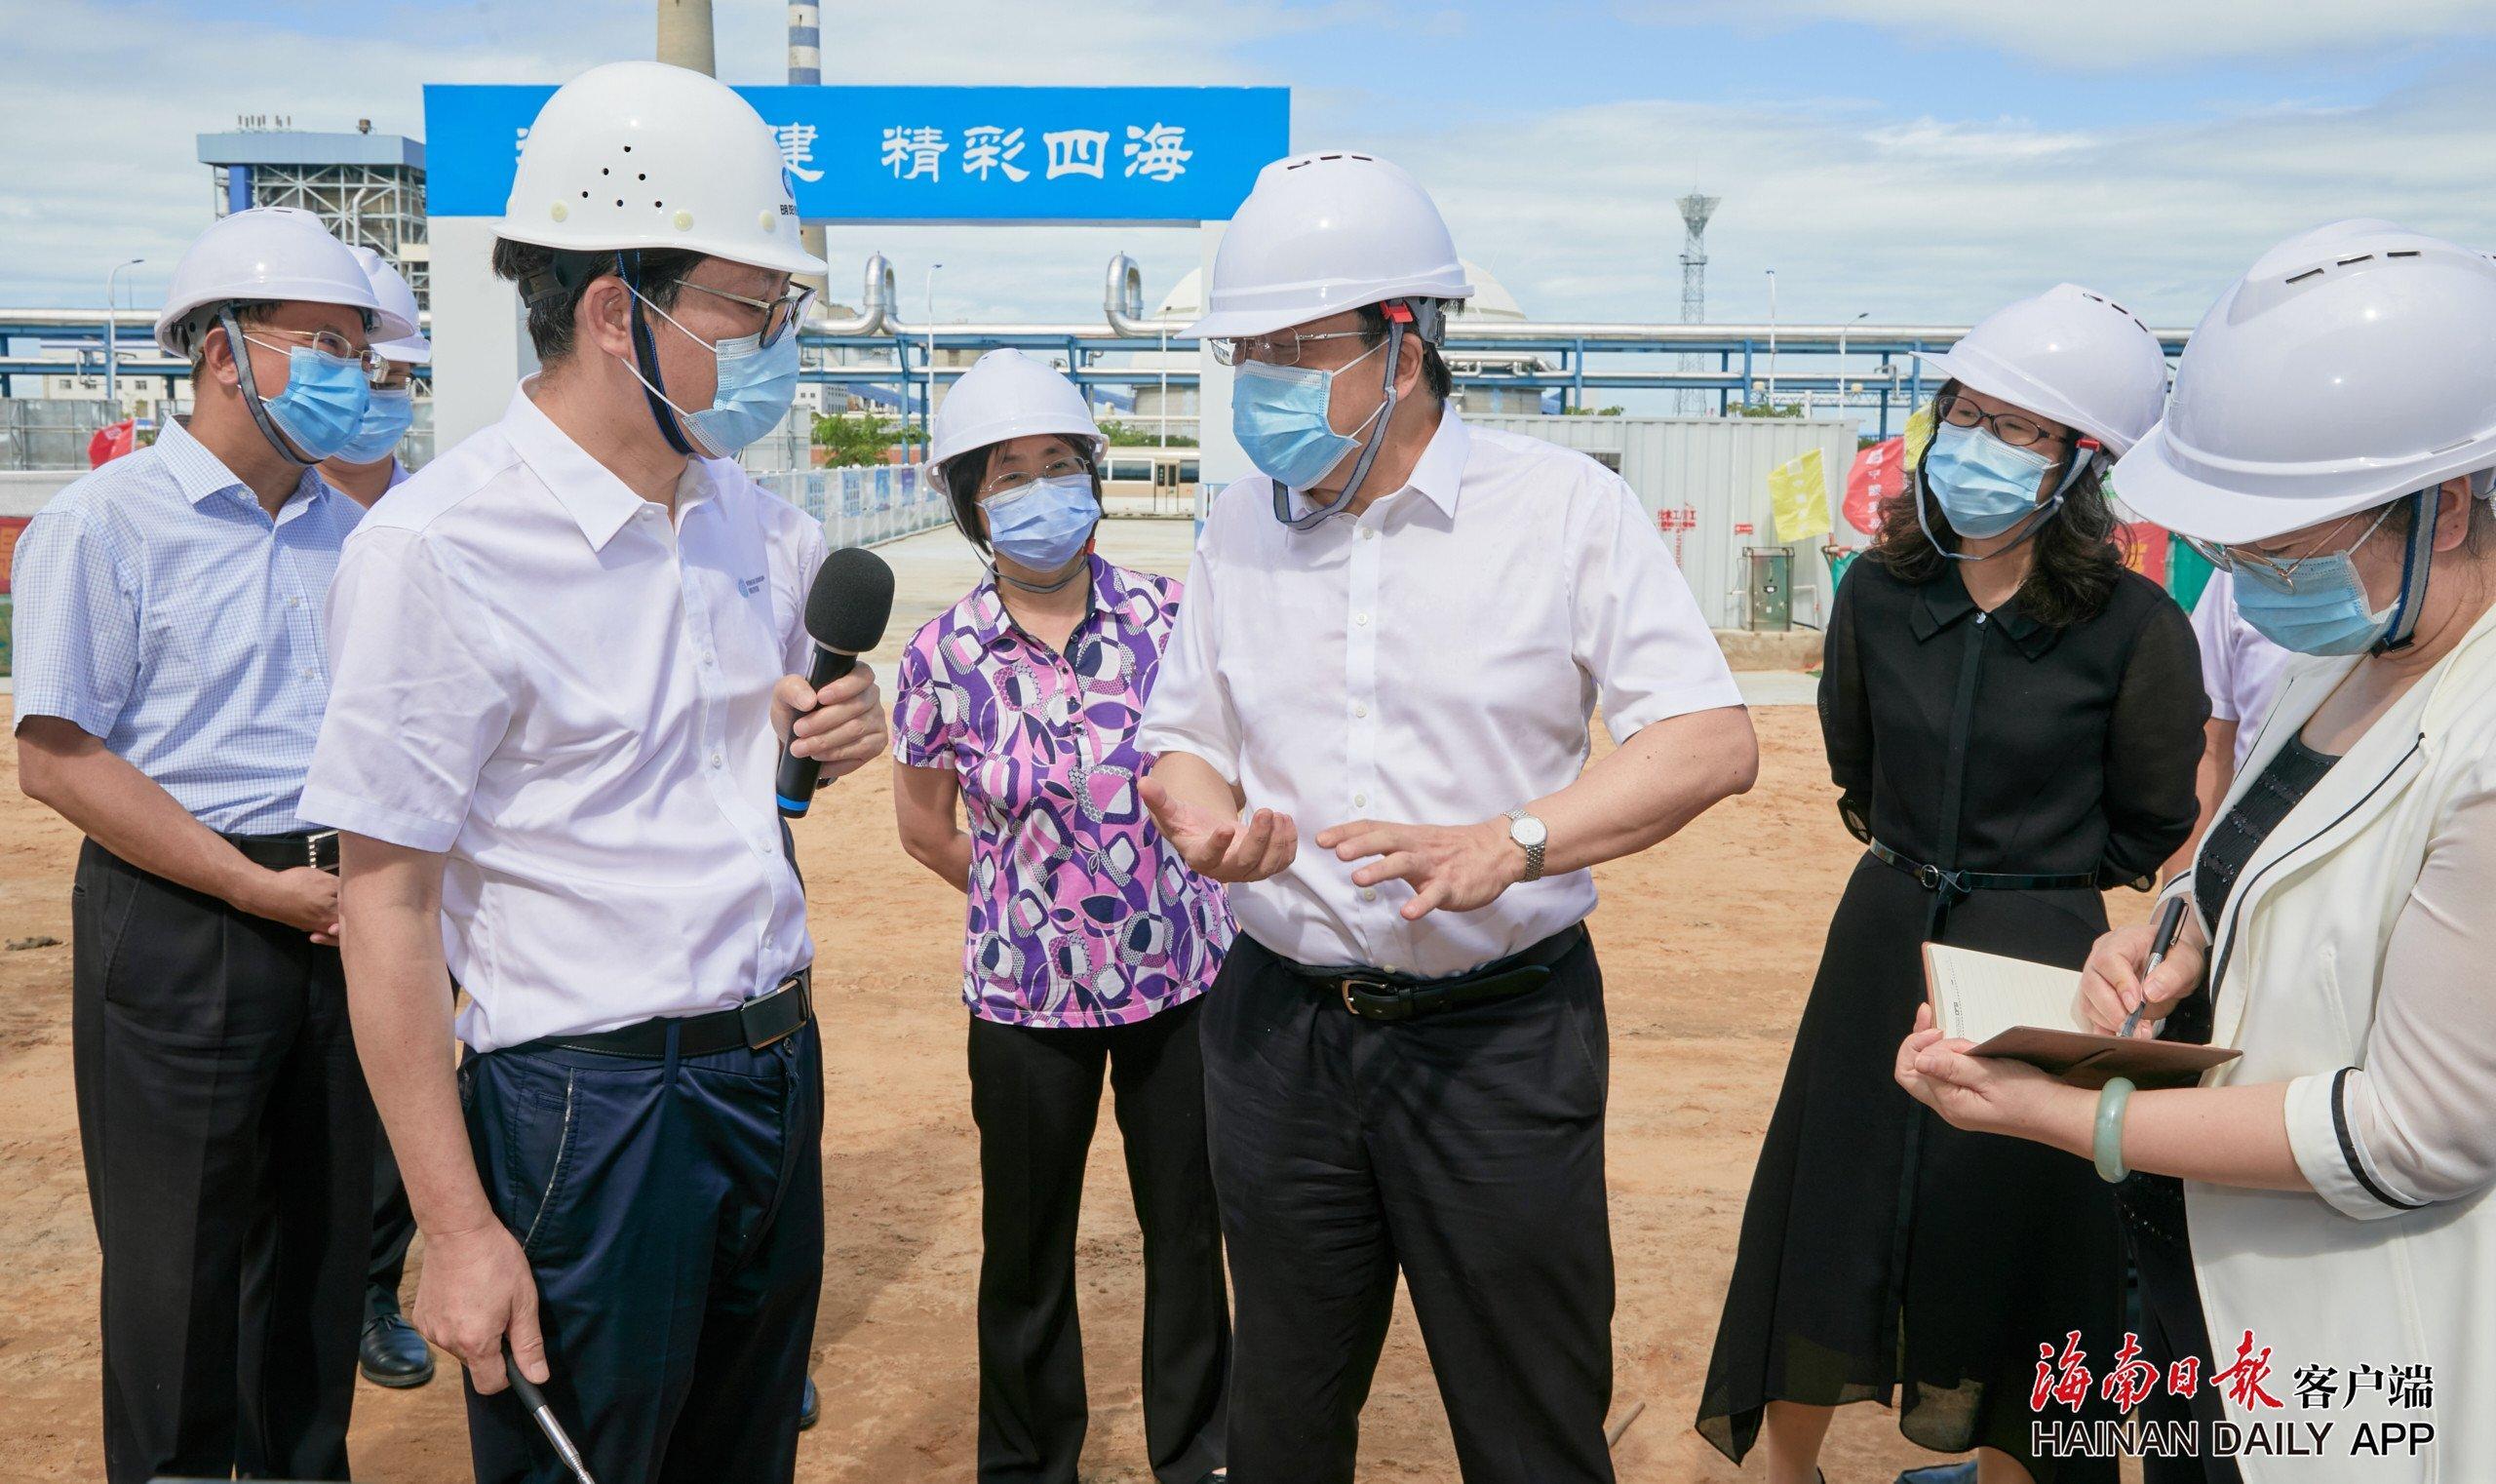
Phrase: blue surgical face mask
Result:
[1045,524]
[1984,485]
[1279,414]
[2325,611]
[324,400]
[756,385]
[386,416]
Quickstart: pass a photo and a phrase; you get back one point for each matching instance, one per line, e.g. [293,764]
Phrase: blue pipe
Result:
[238,187]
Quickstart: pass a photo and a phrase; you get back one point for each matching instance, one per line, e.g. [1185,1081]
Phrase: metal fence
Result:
[863,507]
[49,432]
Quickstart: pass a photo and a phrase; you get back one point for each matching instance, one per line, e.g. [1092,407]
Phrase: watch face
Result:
[1527,831]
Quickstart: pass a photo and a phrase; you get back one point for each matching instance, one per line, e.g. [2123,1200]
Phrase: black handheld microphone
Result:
[846,611]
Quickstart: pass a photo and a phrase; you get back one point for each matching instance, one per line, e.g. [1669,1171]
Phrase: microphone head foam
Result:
[851,600]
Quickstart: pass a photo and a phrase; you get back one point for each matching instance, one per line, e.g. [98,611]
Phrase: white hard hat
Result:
[1323,233]
[2350,366]
[394,296]
[640,154]
[1006,394]
[2075,357]
[268,252]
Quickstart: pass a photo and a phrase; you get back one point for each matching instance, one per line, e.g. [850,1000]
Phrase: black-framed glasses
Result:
[2270,569]
[779,315]
[1281,349]
[2017,429]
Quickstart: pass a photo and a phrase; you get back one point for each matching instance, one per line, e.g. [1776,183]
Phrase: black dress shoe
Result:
[392,1353]
[809,1407]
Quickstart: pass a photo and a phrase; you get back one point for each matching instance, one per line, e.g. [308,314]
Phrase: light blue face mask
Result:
[1985,485]
[387,415]
[2325,611]
[756,385]
[1279,414]
[1045,524]
[323,404]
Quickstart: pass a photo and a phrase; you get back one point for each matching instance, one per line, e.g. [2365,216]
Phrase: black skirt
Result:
[1888,1257]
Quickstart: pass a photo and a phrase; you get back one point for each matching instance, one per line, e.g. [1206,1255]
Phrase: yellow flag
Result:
[1919,435]
[1798,491]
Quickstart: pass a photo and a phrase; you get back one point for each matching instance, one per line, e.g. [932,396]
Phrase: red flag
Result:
[111,442]
[1879,472]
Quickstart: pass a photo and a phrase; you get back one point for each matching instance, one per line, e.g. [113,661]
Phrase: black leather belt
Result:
[753,1025]
[318,849]
[1958,883]
[1374,994]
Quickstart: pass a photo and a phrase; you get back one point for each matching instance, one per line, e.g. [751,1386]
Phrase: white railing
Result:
[863,507]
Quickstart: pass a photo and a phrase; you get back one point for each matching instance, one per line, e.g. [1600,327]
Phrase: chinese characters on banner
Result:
[1798,497]
[1879,472]
[910,152]
[1022,154]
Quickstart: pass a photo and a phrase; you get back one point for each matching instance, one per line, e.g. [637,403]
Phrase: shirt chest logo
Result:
[747,587]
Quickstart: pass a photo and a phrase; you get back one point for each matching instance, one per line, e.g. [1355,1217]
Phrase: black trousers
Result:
[1035,1095]
[394,1227]
[228,1145]
[672,1213]
[1465,1150]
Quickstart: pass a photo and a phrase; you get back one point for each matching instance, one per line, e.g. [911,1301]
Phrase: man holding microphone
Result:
[1394,640]
[565,654]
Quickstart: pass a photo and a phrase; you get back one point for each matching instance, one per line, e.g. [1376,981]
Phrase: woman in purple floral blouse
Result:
[1089,942]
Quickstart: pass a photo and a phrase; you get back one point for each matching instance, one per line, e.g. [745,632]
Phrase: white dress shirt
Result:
[1435,660]
[542,677]
[2240,668]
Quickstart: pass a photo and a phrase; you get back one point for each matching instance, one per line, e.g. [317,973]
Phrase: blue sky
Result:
[1920,159]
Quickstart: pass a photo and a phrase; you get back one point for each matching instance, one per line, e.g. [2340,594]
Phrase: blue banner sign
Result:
[935,154]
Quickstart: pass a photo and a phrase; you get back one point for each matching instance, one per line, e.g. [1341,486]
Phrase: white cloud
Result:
[2112,34]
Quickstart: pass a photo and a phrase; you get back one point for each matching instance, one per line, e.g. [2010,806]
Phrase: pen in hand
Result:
[2170,922]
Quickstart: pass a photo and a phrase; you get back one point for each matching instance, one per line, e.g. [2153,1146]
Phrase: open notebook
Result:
[2030,1012]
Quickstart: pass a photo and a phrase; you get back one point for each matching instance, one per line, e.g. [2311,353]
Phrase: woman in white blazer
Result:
[2332,440]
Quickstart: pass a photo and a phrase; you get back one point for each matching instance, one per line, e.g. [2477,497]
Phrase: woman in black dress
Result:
[2012,720]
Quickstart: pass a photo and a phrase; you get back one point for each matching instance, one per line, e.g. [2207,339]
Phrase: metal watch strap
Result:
[1533,852]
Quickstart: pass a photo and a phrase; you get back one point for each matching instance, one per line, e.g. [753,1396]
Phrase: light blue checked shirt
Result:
[160,609]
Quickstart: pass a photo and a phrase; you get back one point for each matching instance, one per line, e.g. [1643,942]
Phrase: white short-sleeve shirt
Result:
[2240,668]
[540,676]
[1435,660]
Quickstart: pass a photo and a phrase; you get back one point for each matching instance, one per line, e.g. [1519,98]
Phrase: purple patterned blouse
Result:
[1078,915]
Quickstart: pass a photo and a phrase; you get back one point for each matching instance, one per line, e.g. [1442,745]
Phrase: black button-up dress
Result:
[1885,1255]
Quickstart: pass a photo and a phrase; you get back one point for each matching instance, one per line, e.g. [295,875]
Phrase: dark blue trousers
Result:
[673,1214]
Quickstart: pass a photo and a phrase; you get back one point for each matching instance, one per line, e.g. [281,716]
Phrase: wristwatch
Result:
[1531,835]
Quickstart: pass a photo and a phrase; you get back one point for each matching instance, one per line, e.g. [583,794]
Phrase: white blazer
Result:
[2345,1275]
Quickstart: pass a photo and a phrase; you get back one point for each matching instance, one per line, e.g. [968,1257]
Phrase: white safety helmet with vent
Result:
[2350,366]
[2075,357]
[641,154]
[394,297]
[279,254]
[1326,232]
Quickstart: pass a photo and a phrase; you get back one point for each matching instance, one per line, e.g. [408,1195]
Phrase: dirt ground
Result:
[1708,945]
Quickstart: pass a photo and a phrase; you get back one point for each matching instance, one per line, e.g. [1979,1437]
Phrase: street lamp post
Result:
[1841,355]
[1771,339]
[930,413]
[112,332]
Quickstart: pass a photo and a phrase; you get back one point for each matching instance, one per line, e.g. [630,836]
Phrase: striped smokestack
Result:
[805,70]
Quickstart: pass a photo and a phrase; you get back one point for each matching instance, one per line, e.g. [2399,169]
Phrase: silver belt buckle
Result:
[795,984]
[312,846]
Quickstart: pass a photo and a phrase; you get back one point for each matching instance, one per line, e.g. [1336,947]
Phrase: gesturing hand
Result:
[1218,848]
[1454,866]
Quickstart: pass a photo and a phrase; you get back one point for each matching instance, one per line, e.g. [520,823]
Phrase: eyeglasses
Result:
[1007,482]
[330,342]
[1276,349]
[2016,429]
[2233,559]
[778,315]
